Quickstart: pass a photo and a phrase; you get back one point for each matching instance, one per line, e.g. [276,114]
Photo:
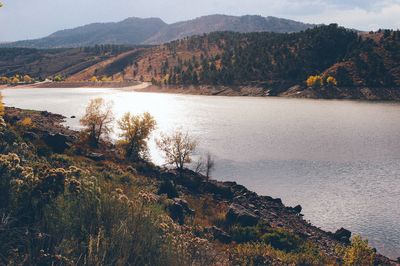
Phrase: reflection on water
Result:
[339,159]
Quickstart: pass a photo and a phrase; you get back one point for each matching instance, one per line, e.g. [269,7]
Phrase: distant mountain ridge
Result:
[136,31]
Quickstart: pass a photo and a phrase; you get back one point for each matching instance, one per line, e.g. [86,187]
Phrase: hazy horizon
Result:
[31,20]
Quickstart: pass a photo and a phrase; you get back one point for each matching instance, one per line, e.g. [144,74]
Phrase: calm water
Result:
[339,159]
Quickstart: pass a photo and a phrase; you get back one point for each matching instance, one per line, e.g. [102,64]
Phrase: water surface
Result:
[339,159]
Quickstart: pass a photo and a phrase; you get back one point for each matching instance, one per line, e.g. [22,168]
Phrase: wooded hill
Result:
[273,61]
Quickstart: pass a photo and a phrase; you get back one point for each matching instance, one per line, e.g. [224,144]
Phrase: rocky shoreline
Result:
[358,93]
[245,207]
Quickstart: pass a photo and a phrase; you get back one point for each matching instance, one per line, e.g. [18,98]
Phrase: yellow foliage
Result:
[315,81]
[94,79]
[1,105]
[27,79]
[358,253]
[105,79]
[15,80]
[4,80]
[58,78]
[135,132]
[331,81]
[26,122]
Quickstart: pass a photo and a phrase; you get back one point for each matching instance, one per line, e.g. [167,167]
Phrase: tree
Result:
[135,132]
[210,164]
[98,121]
[331,81]
[315,81]
[177,147]
[1,105]
[4,80]
[58,78]
[27,79]
[358,253]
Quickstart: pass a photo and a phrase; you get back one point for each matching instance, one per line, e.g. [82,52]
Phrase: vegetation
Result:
[177,147]
[358,253]
[98,121]
[135,132]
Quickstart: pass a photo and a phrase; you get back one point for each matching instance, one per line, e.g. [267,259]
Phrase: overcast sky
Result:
[27,19]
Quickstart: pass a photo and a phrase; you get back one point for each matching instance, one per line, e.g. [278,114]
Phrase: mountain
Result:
[214,23]
[130,31]
[134,31]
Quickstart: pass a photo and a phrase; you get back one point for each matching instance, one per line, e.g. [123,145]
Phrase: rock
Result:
[342,235]
[31,136]
[73,116]
[167,187]
[298,209]
[217,188]
[178,209]
[57,142]
[237,214]
[219,234]
[45,113]
[95,156]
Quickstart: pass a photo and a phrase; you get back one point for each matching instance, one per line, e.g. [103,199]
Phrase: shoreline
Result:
[261,207]
[295,92]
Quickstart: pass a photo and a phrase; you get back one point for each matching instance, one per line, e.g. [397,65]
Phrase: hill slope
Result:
[214,23]
[366,66]
[133,31]
[127,32]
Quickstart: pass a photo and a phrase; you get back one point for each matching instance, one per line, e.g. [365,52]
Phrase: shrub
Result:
[26,122]
[358,253]
[283,240]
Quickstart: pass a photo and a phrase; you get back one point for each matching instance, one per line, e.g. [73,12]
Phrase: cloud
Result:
[384,15]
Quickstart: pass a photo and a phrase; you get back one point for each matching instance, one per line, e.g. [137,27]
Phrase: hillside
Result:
[360,66]
[215,23]
[134,31]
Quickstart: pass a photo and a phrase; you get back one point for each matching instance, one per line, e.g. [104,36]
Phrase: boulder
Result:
[96,156]
[31,136]
[219,234]
[342,235]
[237,214]
[57,142]
[178,209]
[217,188]
[298,209]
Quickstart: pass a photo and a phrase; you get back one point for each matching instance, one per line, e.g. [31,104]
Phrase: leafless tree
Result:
[177,147]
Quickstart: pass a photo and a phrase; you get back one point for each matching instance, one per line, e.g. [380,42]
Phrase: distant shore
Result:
[349,93]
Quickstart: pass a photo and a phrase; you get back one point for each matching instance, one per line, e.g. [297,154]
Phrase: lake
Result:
[339,159]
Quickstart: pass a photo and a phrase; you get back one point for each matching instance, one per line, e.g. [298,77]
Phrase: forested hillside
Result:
[275,60]
[327,61]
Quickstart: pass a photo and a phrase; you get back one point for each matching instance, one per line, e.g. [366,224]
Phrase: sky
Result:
[29,19]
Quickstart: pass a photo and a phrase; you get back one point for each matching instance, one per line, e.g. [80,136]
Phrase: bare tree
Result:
[177,147]
[205,166]
[209,165]
[98,121]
